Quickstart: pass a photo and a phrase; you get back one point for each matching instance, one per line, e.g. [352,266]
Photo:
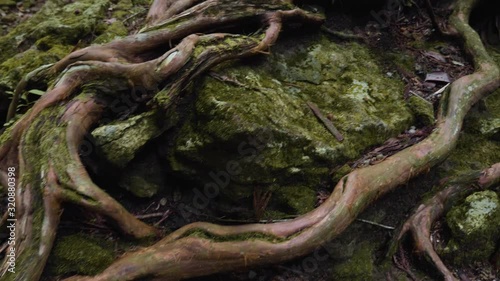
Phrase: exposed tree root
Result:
[203,248]
[44,144]
[420,222]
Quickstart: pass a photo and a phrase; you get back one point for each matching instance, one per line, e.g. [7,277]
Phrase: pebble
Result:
[163,201]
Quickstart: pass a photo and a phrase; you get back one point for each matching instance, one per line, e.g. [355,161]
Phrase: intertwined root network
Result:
[44,144]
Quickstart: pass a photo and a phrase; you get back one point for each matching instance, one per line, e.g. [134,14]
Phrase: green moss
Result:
[341,172]
[402,60]
[475,227]
[359,267]
[274,215]
[242,237]
[266,126]
[113,31]
[56,29]
[301,199]
[474,150]
[121,140]
[144,177]
[477,147]
[7,3]
[80,254]
[422,110]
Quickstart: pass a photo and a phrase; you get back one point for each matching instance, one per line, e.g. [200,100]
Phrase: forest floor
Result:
[409,32]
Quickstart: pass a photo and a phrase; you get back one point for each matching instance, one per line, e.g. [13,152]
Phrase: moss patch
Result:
[80,254]
[265,125]
[299,198]
[474,150]
[359,267]
[55,30]
[243,237]
[422,109]
[475,227]
[121,140]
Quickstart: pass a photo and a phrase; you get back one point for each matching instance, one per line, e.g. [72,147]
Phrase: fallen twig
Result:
[328,124]
[164,217]
[148,216]
[377,224]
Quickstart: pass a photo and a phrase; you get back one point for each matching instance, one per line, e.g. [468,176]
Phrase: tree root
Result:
[44,143]
[420,222]
[204,248]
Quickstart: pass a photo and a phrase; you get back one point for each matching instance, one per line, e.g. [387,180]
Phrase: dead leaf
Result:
[438,77]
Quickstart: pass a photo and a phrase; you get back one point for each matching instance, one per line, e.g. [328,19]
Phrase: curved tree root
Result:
[44,144]
[420,222]
[203,248]
[168,23]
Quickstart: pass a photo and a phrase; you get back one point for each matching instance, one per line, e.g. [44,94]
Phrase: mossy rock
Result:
[80,254]
[144,177]
[121,140]
[475,227]
[7,3]
[55,30]
[422,109]
[489,120]
[490,128]
[265,125]
[489,124]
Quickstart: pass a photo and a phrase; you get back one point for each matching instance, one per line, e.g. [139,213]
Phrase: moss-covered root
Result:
[78,187]
[49,137]
[170,22]
[205,248]
[48,150]
[46,153]
[420,222]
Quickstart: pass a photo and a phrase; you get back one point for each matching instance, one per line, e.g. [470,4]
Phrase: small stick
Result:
[377,224]
[148,216]
[164,217]
[343,35]
[328,124]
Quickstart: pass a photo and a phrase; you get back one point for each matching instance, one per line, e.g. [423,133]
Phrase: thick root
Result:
[202,248]
[46,140]
[420,222]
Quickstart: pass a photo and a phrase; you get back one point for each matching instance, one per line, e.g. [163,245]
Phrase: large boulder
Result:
[252,127]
